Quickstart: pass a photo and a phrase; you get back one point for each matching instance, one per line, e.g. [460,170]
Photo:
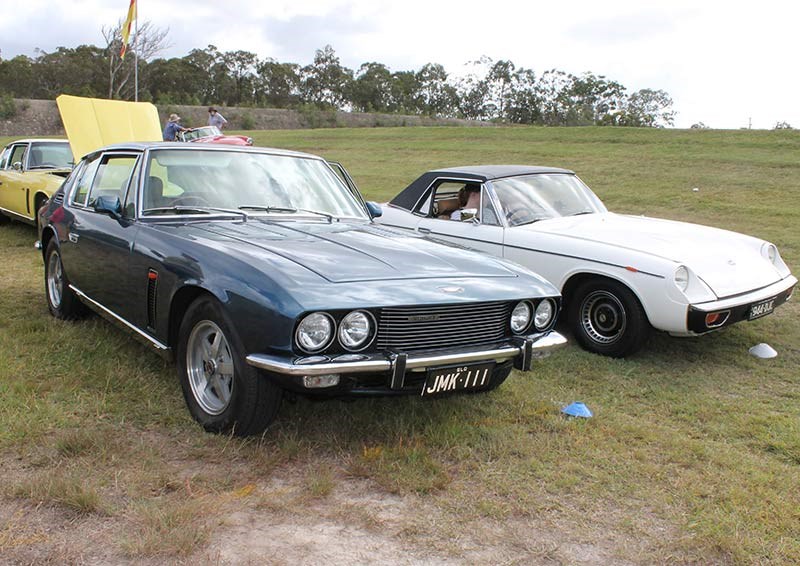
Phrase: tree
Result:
[326,82]
[648,108]
[17,77]
[371,89]
[144,44]
[405,93]
[277,84]
[698,126]
[439,98]
[523,104]
[79,71]
[240,74]
[782,126]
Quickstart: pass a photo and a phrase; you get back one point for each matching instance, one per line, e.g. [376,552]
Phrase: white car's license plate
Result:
[762,308]
[457,378]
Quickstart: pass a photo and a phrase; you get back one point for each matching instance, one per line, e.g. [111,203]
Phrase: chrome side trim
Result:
[114,316]
[540,346]
[27,219]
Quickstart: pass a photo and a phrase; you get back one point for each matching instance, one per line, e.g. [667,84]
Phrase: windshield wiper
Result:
[192,210]
[286,209]
[583,212]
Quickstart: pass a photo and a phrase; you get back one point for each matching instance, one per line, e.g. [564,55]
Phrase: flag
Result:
[126,29]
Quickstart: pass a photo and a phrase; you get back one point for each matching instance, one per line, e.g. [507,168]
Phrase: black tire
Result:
[223,393]
[61,300]
[606,318]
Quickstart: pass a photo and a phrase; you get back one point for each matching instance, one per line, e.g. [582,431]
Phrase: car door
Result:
[482,232]
[97,254]
[13,187]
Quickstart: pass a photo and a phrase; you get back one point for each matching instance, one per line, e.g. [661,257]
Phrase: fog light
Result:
[320,381]
[715,319]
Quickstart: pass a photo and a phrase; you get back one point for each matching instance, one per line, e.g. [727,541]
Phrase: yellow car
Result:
[30,172]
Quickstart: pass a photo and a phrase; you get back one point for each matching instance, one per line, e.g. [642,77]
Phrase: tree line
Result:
[492,90]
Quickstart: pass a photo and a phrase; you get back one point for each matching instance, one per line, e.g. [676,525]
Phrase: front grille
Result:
[423,328]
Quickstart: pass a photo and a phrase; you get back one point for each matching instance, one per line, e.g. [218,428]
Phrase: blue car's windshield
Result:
[259,183]
[542,196]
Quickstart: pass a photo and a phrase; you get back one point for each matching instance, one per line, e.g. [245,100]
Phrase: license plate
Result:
[761,309]
[457,378]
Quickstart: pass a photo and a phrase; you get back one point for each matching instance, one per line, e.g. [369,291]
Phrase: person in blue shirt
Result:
[172,128]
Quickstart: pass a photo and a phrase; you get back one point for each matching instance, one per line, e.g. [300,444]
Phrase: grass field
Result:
[693,454]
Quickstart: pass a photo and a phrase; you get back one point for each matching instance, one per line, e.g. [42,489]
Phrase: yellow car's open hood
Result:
[92,123]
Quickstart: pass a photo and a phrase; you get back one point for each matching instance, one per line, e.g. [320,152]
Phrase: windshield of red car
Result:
[542,196]
[245,180]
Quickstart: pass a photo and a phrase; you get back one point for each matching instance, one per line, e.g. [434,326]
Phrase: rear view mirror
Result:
[375,210]
[109,205]
[469,214]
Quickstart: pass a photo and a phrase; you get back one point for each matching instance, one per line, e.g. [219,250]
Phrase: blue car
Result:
[261,271]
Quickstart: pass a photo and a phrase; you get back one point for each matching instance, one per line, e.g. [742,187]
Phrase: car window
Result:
[129,202]
[531,198]
[449,196]
[249,180]
[112,177]
[50,155]
[4,157]
[17,155]
[84,182]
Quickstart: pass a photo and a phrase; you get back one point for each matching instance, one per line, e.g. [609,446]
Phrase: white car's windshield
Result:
[542,196]
[257,183]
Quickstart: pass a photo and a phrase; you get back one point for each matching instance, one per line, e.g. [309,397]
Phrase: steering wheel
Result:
[519,215]
[190,200]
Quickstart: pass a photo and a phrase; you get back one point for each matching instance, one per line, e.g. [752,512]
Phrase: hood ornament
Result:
[452,289]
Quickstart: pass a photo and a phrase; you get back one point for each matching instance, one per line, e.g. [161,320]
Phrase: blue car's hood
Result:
[342,252]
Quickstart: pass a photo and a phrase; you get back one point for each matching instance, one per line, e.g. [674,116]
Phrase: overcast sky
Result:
[724,63]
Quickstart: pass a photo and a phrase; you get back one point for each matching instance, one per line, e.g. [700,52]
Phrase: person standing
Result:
[172,128]
[215,118]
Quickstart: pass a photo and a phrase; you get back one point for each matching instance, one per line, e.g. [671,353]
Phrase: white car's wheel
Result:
[607,319]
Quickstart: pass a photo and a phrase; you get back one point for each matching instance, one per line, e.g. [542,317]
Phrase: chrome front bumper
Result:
[524,351]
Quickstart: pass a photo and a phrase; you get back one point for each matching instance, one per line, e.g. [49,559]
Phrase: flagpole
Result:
[136,55]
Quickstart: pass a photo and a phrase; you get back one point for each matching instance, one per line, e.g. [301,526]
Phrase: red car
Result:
[212,134]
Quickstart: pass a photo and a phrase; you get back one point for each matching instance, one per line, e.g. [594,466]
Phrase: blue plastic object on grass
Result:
[577,409]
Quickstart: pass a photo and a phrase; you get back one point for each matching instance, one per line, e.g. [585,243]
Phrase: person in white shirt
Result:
[470,198]
[215,118]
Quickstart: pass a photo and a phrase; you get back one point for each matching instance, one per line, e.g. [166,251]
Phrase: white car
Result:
[619,275]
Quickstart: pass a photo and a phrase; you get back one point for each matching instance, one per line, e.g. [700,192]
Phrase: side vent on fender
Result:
[152,289]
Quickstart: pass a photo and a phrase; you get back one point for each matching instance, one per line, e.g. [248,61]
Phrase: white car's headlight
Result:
[682,278]
[770,252]
[314,332]
[544,314]
[521,317]
[355,330]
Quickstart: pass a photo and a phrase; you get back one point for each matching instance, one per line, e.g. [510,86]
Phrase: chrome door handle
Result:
[73,238]
[424,230]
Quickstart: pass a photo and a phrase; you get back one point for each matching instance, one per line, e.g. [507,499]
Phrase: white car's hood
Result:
[728,262]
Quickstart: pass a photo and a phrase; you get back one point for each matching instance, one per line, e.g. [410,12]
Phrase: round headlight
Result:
[355,330]
[314,332]
[682,278]
[770,252]
[521,317]
[544,314]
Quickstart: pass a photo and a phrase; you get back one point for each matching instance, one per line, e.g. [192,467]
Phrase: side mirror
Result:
[17,166]
[109,205]
[469,215]
[375,209]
